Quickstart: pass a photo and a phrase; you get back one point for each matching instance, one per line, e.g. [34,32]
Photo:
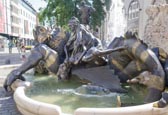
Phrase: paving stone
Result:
[7,105]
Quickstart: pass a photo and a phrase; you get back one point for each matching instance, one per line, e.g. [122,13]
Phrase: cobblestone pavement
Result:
[7,104]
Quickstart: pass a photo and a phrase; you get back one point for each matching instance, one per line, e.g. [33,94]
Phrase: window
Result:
[14,9]
[26,28]
[133,10]
[15,20]
[15,29]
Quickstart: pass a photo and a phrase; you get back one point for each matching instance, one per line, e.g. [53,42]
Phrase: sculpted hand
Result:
[139,79]
[15,74]
[144,78]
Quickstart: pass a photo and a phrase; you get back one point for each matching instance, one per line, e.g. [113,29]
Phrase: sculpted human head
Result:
[83,3]
[40,34]
[73,23]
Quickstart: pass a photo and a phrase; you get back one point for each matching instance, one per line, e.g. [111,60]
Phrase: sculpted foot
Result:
[163,102]
[160,104]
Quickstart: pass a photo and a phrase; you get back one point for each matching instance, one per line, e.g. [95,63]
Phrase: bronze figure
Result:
[80,41]
[48,48]
[134,58]
[85,12]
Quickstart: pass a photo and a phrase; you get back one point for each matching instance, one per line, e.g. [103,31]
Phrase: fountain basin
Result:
[28,106]
[145,109]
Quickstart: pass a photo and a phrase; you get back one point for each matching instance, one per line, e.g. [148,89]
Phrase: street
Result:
[11,58]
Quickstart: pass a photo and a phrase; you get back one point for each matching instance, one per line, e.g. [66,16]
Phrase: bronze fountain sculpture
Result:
[61,51]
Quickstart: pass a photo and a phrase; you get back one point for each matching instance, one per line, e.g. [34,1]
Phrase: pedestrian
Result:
[10,46]
[23,50]
[18,45]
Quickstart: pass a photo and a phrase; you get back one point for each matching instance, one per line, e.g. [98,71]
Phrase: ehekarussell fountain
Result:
[29,106]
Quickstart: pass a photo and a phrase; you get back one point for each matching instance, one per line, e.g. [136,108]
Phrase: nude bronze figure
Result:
[85,12]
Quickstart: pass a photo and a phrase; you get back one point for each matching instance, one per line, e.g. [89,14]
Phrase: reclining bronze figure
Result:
[135,59]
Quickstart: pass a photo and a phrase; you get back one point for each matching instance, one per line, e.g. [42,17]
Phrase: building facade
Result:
[136,17]
[2,17]
[5,28]
[149,19]
[2,23]
[127,15]
[27,22]
[18,20]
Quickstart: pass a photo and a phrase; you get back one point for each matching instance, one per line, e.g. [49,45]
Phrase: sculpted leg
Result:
[157,82]
[134,68]
[154,84]
[164,100]
[157,78]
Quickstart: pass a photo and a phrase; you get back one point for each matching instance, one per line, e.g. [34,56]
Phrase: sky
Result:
[37,4]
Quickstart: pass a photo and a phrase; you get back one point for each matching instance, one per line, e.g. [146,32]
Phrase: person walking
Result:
[18,45]
[23,50]
[10,46]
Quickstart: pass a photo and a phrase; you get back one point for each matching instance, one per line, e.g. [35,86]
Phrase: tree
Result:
[63,10]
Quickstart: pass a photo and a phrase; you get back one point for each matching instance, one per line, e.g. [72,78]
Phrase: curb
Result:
[9,66]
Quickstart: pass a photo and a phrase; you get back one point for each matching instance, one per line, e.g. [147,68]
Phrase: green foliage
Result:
[99,15]
[63,10]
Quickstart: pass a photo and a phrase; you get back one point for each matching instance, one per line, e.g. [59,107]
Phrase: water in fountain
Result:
[66,94]
[117,22]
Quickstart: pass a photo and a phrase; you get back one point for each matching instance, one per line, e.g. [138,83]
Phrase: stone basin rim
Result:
[40,108]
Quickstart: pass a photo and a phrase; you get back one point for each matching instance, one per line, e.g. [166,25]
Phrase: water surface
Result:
[48,89]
